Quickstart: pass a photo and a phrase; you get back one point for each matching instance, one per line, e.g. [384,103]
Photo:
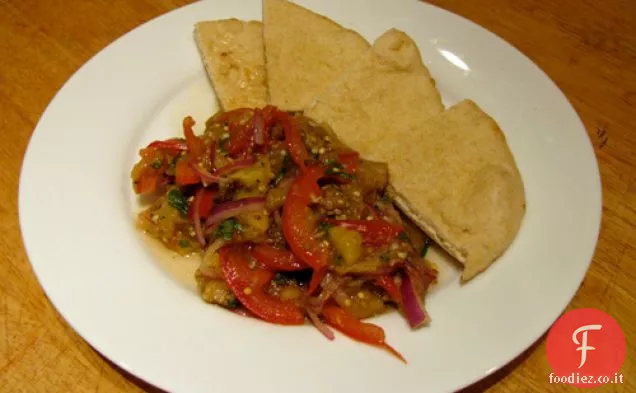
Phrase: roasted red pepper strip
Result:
[185,174]
[240,139]
[170,144]
[276,258]
[387,283]
[316,279]
[196,147]
[248,285]
[239,122]
[364,332]
[374,232]
[293,139]
[299,226]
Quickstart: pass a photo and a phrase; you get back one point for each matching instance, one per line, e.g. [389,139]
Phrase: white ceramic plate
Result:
[76,214]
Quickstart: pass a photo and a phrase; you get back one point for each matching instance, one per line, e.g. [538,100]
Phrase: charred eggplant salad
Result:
[315,192]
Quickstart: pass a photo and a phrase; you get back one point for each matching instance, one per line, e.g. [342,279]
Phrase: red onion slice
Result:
[226,210]
[322,328]
[329,284]
[413,307]
[206,176]
[196,216]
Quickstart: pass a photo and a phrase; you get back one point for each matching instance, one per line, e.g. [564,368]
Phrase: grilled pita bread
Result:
[455,176]
[451,171]
[305,52]
[232,52]
[389,88]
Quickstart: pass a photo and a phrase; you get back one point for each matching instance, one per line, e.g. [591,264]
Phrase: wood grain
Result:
[587,47]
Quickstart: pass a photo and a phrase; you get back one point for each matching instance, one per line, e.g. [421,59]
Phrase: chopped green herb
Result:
[183,243]
[279,279]
[335,169]
[227,229]
[384,257]
[404,237]
[346,176]
[324,226]
[425,247]
[339,260]
[385,198]
[177,200]
[332,171]
[283,170]
[329,161]
[222,148]
[156,164]
[233,303]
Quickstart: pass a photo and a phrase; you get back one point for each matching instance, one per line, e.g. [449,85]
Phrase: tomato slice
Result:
[293,139]
[248,285]
[387,283]
[299,225]
[276,258]
[185,174]
[360,331]
[196,147]
[374,232]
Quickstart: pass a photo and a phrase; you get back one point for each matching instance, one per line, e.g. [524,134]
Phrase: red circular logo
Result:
[585,348]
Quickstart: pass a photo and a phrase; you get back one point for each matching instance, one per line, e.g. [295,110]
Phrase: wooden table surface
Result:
[587,47]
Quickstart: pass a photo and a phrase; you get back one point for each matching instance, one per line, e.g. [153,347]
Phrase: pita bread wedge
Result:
[389,88]
[305,52]
[456,178]
[232,52]
[451,171]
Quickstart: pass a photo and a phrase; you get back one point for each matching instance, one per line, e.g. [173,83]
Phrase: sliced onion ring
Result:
[206,176]
[322,328]
[226,210]
[413,307]
[196,216]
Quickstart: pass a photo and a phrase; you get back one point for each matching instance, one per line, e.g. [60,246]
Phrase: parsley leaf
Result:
[425,247]
[156,164]
[227,229]
[404,237]
[177,200]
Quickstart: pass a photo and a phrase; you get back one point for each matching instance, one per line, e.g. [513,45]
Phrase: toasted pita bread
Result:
[305,52]
[232,52]
[389,88]
[451,171]
[456,178]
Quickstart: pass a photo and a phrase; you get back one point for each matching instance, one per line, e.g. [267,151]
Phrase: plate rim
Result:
[96,56]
